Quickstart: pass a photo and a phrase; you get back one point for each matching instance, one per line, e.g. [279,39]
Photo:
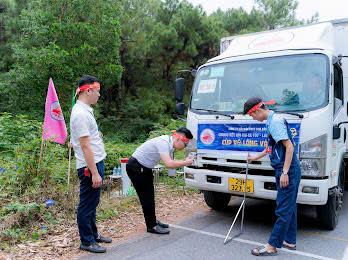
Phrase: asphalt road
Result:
[202,236]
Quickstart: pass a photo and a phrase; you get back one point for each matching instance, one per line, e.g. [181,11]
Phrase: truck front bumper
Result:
[200,181]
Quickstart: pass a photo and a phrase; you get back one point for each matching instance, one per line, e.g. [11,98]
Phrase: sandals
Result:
[289,247]
[263,252]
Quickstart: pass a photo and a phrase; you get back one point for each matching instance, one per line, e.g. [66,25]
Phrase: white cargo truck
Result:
[305,71]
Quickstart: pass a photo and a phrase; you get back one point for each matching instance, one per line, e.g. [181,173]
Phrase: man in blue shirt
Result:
[287,173]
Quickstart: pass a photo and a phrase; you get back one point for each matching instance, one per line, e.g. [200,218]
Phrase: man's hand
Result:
[250,158]
[284,181]
[88,155]
[96,180]
[188,161]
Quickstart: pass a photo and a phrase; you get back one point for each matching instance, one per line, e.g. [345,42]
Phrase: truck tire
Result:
[216,200]
[328,214]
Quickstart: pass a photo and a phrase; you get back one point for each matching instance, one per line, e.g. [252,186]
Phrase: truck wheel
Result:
[216,200]
[328,213]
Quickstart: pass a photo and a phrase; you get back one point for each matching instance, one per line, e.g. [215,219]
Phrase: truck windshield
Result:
[295,83]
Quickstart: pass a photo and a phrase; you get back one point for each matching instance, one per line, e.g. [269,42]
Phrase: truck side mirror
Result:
[179,89]
[194,73]
[180,109]
[336,134]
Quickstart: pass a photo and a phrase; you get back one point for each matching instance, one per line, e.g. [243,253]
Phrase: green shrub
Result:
[160,129]
[17,129]
[136,118]
[115,152]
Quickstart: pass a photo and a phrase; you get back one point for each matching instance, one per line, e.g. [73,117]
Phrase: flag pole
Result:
[42,142]
[69,167]
[69,143]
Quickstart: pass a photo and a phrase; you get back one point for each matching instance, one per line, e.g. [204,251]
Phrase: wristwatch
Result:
[285,172]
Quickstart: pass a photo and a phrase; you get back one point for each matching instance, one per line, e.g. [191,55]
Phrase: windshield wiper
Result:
[290,113]
[214,111]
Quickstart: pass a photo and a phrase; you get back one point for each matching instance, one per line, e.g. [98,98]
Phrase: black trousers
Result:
[89,200]
[142,179]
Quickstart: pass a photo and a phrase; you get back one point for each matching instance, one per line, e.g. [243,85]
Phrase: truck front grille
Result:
[238,170]
[229,160]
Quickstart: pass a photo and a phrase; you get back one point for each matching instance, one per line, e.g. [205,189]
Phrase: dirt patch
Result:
[127,220]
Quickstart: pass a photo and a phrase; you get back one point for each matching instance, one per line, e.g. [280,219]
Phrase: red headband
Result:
[88,86]
[253,109]
[181,137]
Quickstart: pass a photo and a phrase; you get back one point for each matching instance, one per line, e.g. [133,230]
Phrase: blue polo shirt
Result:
[276,127]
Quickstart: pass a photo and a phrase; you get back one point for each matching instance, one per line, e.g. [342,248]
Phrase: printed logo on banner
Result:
[56,111]
[207,136]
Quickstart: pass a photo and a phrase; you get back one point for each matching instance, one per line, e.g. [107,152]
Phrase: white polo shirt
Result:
[82,123]
[149,153]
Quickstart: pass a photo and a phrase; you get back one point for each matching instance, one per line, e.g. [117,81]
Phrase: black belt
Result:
[137,165]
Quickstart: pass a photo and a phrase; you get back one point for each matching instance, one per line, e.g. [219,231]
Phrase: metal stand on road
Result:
[241,207]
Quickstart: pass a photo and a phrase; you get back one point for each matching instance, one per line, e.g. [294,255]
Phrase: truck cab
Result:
[304,70]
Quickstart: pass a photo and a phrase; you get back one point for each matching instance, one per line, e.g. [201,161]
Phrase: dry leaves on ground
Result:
[128,220]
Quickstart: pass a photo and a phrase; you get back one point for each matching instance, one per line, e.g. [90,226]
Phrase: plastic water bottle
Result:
[114,171]
[119,171]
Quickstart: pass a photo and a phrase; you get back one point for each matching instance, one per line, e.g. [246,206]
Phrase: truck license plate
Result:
[239,184]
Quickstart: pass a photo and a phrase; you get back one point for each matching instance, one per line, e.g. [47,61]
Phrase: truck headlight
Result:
[313,157]
[312,167]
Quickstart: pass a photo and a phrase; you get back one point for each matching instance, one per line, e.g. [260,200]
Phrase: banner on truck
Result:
[239,137]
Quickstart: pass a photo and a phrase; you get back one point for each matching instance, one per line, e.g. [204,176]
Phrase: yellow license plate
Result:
[239,184]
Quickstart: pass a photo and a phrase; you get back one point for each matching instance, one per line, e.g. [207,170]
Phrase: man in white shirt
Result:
[90,154]
[139,170]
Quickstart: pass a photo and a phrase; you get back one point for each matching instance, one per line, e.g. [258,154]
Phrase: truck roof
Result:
[313,36]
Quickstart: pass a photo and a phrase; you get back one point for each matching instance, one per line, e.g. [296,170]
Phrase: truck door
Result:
[340,114]
[328,213]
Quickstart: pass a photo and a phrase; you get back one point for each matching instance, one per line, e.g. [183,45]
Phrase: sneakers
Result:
[94,248]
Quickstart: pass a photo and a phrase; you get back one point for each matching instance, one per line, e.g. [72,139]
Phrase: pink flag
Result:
[54,125]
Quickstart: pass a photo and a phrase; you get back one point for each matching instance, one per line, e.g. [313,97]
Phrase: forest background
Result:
[135,48]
